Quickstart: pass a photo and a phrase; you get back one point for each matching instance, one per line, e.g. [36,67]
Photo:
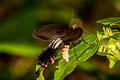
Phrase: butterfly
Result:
[56,35]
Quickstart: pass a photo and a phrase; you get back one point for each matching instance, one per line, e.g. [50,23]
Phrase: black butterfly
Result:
[56,35]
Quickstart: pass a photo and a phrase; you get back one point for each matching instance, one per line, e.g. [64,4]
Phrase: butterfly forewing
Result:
[50,32]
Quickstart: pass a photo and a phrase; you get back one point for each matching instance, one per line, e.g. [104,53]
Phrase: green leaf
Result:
[116,36]
[112,61]
[84,51]
[110,21]
[118,45]
[64,69]
[89,52]
[110,47]
[102,53]
[115,30]
[41,77]
[87,65]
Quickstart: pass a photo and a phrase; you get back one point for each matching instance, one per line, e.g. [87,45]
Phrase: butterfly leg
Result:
[75,51]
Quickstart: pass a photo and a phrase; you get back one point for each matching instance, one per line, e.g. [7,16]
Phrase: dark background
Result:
[19,18]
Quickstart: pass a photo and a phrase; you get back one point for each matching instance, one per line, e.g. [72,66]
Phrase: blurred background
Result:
[19,18]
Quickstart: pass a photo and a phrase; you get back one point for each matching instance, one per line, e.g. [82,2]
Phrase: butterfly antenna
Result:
[72,16]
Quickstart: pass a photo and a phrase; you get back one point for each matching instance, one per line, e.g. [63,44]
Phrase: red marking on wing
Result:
[45,65]
[51,60]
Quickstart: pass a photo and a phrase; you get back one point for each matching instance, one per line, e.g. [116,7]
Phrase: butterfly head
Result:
[74,26]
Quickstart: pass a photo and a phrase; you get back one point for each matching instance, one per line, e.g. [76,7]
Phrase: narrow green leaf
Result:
[115,30]
[112,61]
[102,53]
[39,70]
[89,52]
[110,21]
[87,65]
[118,45]
[116,36]
[64,69]
[41,76]
[84,51]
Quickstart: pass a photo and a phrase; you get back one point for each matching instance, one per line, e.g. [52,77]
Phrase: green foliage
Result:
[65,68]
[110,21]
[107,44]
[18,18]
[109,41]
[84,52]
[40,75]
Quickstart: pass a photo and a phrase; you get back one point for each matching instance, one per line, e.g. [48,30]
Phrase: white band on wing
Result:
[54,44]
